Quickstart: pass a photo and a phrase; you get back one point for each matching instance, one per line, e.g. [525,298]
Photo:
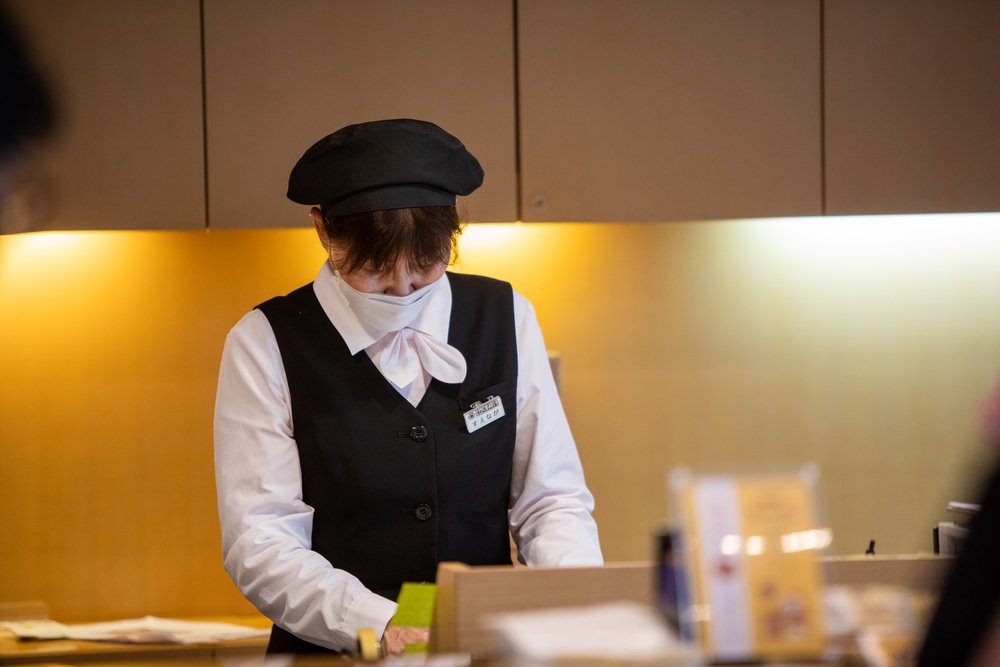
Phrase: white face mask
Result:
[385,312]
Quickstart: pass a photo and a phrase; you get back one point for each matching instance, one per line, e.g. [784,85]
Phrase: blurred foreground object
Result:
[626,634]
[749,551]
[965,628]
[468,595]
[882,623]
[990,421]
[27,114]
[26,109]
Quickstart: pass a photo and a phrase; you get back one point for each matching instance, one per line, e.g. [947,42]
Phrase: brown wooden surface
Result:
[279,76]
[916,572]
[912,103]
[669,110]
[129,151]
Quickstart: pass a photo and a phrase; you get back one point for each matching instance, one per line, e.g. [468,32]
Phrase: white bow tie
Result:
[408,352]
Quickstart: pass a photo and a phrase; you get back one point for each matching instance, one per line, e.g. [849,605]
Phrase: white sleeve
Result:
[266,526]
[550,514]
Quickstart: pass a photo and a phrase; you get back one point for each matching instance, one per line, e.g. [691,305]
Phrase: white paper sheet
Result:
[152,629]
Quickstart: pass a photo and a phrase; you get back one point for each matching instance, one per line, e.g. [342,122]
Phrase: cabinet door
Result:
[669,109]
[128,151]
[281,75]
[912,106]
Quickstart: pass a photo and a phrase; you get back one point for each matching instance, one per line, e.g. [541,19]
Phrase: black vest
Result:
[397,489]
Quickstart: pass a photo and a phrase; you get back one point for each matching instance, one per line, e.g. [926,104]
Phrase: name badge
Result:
[483,413]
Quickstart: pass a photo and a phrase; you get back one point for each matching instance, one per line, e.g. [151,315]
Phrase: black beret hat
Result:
[401,163]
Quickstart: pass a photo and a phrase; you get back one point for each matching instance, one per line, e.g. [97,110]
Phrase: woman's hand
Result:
[396,637]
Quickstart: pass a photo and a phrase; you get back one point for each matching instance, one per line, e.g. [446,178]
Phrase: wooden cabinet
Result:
[607,111]
[128,152]
[281,75]
[669,109]
[912,92]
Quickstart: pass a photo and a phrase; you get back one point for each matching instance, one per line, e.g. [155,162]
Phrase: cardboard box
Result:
[467,594]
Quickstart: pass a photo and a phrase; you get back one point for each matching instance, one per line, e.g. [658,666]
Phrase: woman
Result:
[390,415]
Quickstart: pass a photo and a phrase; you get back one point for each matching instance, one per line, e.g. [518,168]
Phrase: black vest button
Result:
[423,512]
[418,433]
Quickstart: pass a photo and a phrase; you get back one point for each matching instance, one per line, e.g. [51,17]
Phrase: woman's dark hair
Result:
[377,240]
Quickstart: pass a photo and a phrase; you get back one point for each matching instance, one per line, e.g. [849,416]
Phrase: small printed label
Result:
[483,413]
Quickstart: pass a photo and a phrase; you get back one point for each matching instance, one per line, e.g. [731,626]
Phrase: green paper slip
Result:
[416,609]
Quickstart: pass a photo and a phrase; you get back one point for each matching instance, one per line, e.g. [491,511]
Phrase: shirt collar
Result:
[433,319]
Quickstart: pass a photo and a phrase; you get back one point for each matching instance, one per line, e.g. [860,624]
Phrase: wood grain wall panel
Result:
[912,102]
[668,109]
[279,76]
[128,152]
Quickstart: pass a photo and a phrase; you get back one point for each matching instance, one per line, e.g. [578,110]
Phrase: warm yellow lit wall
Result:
[864,345]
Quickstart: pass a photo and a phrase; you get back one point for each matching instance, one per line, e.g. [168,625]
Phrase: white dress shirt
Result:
[266,526]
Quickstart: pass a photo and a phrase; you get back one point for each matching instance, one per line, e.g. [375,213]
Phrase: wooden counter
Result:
[465,596]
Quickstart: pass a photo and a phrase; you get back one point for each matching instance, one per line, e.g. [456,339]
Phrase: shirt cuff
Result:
[368,610]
